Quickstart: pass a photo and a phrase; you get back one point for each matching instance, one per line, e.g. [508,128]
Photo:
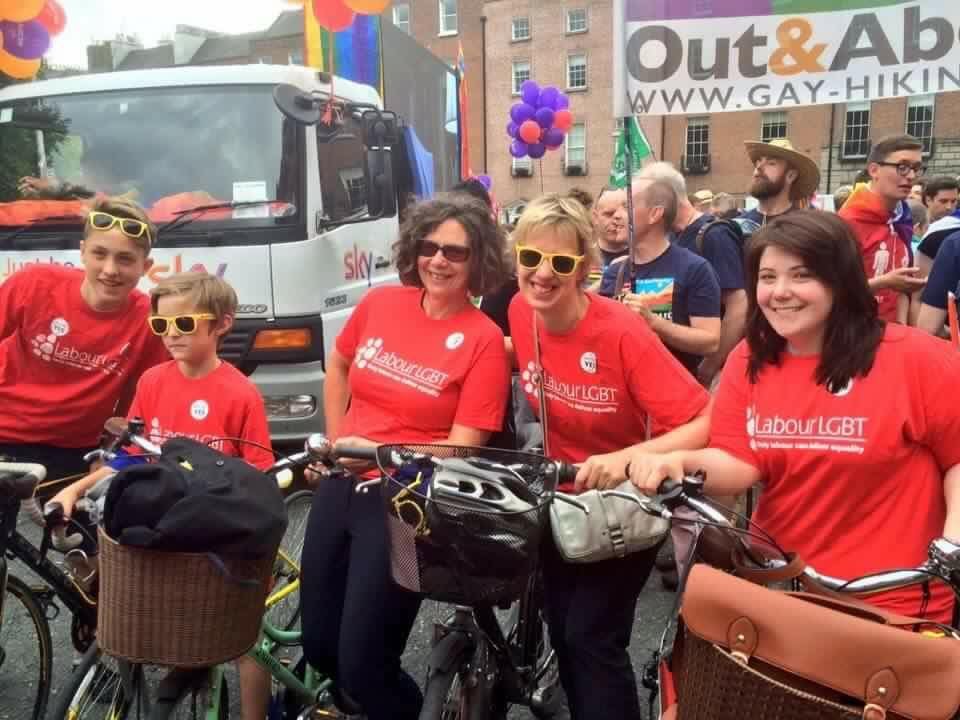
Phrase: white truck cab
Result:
[279,209]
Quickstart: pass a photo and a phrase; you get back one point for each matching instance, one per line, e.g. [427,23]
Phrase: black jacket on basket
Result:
[195,499]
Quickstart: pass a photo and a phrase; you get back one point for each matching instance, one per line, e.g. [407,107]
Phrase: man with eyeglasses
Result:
[881,221]
[74,341]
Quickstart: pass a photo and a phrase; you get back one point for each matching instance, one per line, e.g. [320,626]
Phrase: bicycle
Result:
[466,525]
[111,688]
[943,560]
[29,608]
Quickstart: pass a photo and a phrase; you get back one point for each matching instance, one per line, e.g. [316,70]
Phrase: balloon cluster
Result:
[539,122]
[26,27]
[337,15]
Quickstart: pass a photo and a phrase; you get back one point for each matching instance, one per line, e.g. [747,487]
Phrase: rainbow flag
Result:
[465,170]
[353,53]
[647,10]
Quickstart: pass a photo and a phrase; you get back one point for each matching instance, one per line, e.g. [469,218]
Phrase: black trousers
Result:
[356,621]
[590,610]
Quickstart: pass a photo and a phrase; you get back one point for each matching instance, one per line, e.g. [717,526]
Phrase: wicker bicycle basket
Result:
[178,609]
[451,552]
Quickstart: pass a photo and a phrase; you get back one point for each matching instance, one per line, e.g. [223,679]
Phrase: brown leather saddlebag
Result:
[743,651]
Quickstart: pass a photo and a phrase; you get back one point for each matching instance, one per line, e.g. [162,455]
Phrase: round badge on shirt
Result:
[59,327]
[199,410]
[588,362]
[454,340]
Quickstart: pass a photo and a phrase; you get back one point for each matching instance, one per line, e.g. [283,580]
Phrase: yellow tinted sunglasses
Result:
[130,227]
[562,264]
[185,324]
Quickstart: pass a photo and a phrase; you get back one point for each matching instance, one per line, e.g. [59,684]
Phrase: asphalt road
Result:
[652,611]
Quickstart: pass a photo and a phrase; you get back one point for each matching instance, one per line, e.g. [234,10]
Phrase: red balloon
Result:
[530,131]
[563,119]
[333,15]
[52,17]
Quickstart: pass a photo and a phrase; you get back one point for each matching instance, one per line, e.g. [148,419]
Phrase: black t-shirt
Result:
[495,304]
[937,233]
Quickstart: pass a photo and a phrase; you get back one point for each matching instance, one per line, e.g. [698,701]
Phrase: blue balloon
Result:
[518,148]
[553,138]
[563,102]
[548,97]
[521,111]
[530,92]
[536,150]
[544,118]
[512,129]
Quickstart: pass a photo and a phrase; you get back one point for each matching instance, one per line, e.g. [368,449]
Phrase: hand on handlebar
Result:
[602,472]
[315,472]
[648,471]
[67,499]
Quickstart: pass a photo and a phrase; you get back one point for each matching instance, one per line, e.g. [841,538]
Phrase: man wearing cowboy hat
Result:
[784,179]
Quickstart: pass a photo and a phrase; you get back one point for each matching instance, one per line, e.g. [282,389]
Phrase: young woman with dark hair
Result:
[850,423]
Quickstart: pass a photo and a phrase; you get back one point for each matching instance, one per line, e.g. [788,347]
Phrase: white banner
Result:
[704,56]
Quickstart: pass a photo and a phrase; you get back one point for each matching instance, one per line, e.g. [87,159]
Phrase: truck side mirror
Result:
[378,179]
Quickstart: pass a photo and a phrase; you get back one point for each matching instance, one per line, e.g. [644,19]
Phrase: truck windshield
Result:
[168,149]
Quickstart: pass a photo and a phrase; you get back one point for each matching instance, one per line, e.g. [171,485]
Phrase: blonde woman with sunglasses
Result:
[608,383]
[74,341]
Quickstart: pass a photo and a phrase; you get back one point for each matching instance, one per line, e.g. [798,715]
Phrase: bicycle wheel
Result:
[190,699]
[102,688]
[284,614]
[444,697]
[25,651]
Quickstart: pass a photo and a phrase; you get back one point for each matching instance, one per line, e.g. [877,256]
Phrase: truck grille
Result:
[236,346]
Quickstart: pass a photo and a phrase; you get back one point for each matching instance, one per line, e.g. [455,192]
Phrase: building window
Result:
[295,57]
[773,126]
[856,131]
[576,149]
[697,157]
[401,16]
[521,167]
[520,29]
[576,71]
[576,20]
[448,17]
[920,120]
[521,73]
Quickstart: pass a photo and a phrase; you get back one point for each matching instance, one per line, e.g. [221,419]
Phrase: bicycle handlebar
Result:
[944,556]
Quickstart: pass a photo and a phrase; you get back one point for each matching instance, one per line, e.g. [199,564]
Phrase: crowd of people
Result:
[769,347]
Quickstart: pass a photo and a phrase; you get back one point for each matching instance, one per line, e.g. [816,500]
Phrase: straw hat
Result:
[808,178]
[703,196]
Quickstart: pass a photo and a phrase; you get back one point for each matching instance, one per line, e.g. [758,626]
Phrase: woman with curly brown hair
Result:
[415,363]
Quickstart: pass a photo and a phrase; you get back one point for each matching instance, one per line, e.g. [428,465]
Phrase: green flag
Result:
[639,149]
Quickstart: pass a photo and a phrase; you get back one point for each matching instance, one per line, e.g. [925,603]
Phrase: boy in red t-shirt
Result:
[197,395]
[73,341]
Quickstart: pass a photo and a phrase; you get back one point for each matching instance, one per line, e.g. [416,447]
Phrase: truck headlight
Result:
[287,407]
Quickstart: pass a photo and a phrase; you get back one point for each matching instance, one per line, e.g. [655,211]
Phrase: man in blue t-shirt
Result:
[721,245]
[784,179]
[673,289]
[944,278]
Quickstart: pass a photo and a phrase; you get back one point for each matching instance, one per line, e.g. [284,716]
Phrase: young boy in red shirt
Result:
[197,395]
[73,341]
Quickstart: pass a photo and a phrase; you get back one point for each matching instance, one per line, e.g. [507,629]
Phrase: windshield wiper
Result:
[6,239]
[185,217]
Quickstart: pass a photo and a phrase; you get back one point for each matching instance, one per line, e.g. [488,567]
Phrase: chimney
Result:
[187,40]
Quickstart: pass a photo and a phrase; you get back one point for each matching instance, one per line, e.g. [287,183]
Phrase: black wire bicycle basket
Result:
[465,523]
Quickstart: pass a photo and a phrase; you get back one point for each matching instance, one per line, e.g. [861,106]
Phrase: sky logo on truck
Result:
[161,270]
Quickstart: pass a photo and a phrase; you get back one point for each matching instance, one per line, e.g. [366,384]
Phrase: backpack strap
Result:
[702,233]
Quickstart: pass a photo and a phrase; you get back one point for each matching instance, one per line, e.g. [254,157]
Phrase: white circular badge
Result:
[59,327]
[454,340]
[199,410]
[588,362]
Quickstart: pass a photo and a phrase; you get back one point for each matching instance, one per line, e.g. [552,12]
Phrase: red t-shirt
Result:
[602,379]
[414,377]
[62,365]
[853,479]
[223,404]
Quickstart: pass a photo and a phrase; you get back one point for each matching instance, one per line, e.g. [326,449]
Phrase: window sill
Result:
[448,33]
[577,32]
[577,89]
[520,40]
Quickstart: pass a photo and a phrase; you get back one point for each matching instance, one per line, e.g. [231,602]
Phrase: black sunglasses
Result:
[453,253]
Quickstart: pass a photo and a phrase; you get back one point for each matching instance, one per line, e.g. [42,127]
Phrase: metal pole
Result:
[628,169]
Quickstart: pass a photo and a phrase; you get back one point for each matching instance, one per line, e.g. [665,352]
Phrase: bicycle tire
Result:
[285,615]
[444,697]
[17,618]
[94,691]
[188,704]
